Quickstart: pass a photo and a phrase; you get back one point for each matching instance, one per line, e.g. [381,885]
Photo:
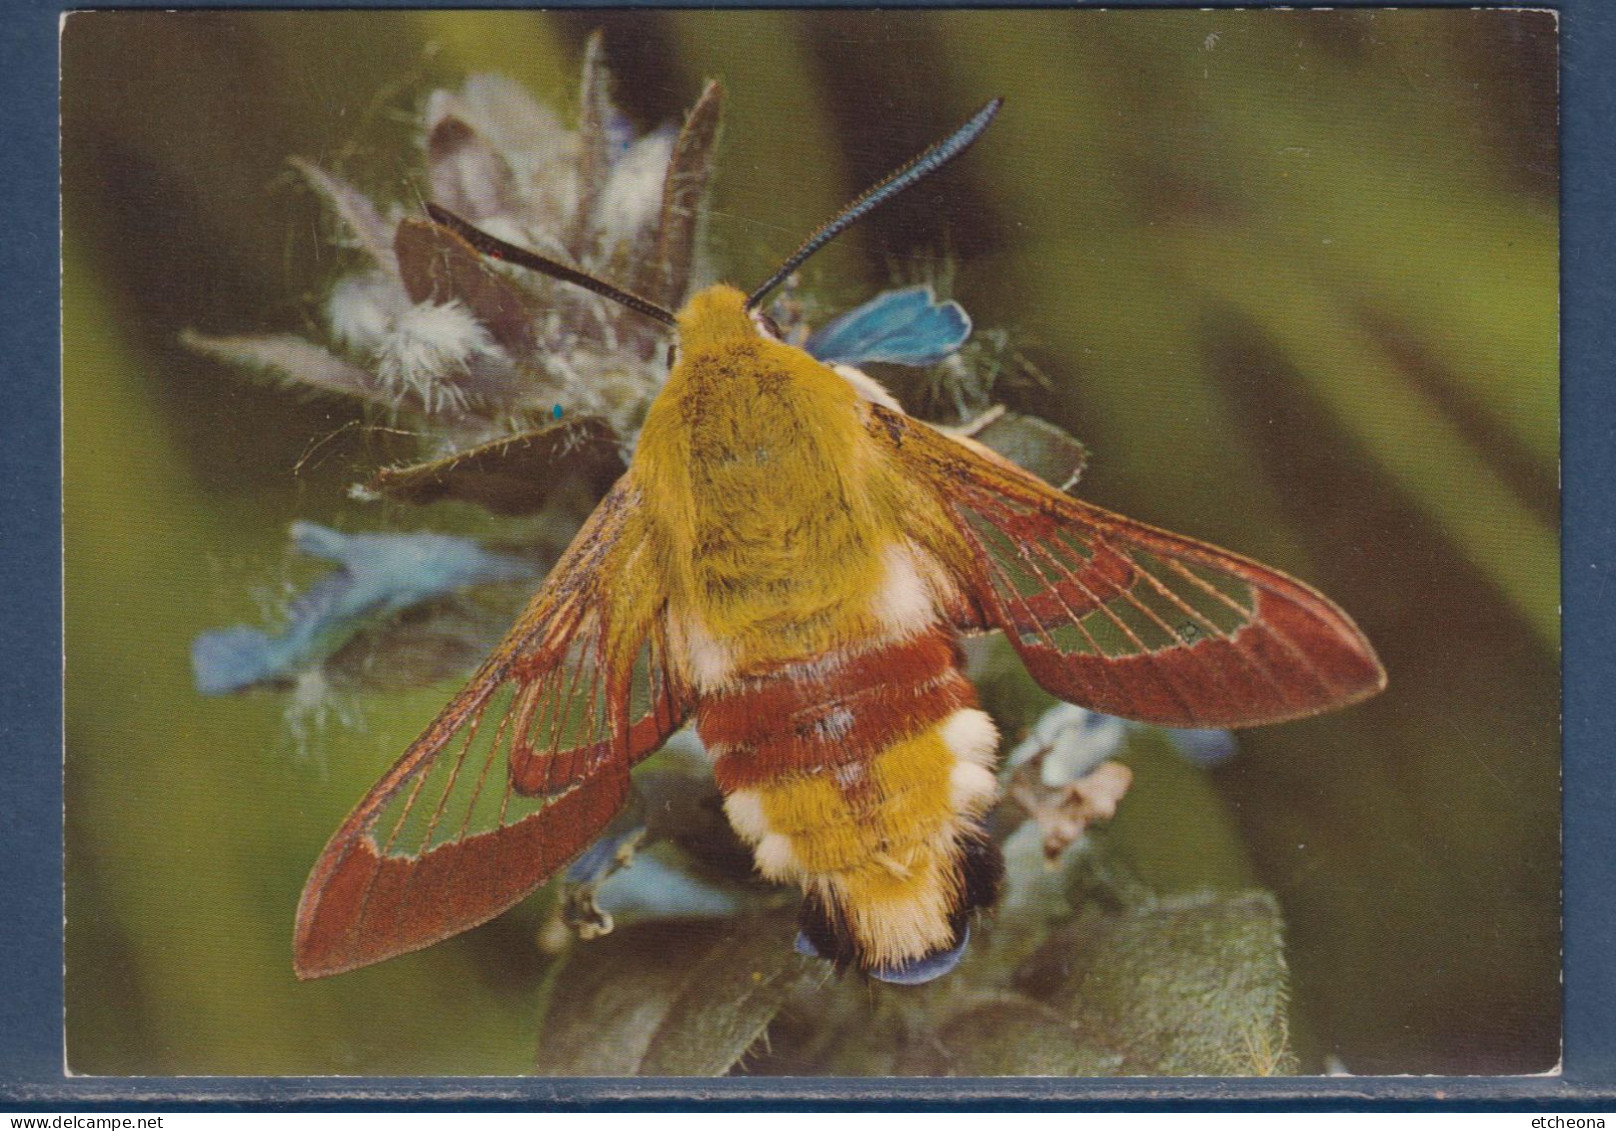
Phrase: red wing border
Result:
[516,776]
[1126,619]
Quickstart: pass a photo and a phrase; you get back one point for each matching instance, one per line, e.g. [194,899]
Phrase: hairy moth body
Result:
[789,562]
[845,737]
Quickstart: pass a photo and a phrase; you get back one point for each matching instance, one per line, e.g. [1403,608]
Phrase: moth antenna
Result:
[921,167]
[496,248]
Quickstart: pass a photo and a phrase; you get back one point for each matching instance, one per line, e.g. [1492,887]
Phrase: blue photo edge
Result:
[31,1036]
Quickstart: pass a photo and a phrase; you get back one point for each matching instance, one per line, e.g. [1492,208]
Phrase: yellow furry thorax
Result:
[770,499]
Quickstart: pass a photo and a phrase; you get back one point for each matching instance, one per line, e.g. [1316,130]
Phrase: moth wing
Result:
[1124,618]
[517,775]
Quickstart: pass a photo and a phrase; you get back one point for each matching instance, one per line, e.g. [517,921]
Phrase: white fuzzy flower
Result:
[632,199]
[427,346]
[467,350]
[361,312]
[1071,741]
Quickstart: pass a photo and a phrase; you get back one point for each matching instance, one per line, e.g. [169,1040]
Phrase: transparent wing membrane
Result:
[462,793]
[562,725]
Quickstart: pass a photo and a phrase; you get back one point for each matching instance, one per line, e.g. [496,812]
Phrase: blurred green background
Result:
[1294,275]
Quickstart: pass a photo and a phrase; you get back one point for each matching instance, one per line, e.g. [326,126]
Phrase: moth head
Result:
[714,316]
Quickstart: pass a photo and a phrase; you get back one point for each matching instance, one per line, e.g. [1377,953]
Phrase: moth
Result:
[790,562]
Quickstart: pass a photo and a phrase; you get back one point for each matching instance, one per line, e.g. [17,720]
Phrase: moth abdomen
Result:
[827,923]
[861,777]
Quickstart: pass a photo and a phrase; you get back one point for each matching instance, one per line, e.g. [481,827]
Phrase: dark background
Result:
[1294,275]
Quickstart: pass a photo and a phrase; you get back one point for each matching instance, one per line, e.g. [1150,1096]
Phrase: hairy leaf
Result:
[1008,1037]
[1191,985]
[671,998]
[513,476]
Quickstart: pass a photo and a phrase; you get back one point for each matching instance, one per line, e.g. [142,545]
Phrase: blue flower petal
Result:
[229,659]
[1203,747]
[655,888]
[1072,740]
[315,541]
[378,575]
[600,859]
[904,327]
[913,973]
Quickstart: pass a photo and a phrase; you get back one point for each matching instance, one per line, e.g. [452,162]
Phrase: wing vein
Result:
[448,787]
[1037,622]
[1166,678]
[482,775]
[1242,648]
[1298,654]
[564,706]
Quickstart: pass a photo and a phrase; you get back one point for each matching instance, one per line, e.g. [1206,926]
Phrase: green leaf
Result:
[1049,452]
[1010,1037]
[671,998]
[1191,985]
